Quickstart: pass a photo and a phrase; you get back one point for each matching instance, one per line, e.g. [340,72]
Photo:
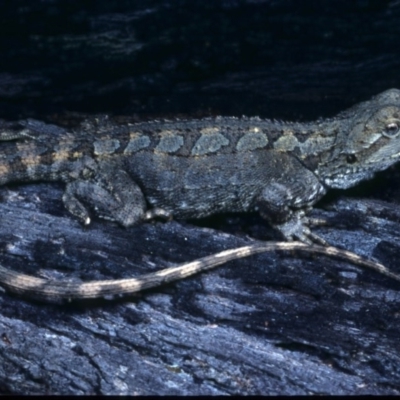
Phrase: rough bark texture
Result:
[269,324]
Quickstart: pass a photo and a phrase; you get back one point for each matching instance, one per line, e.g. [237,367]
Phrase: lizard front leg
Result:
[285,201]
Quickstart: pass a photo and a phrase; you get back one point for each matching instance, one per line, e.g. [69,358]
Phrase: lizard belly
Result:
[193,187]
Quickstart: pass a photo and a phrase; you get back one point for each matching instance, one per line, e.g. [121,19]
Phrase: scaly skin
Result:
[132,172]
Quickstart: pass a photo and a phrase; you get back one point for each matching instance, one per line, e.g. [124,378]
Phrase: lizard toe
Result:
[157,213]
[297,228]
[318,221]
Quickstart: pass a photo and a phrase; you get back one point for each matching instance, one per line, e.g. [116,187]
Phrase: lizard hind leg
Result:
[114,196]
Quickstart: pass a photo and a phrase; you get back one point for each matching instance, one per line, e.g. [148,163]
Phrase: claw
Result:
[318,240]
[318,221]
[157,213]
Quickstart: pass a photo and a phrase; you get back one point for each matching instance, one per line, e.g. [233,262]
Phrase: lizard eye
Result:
[391,129]
[351,158]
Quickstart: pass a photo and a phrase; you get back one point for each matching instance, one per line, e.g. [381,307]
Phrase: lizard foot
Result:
[297,228]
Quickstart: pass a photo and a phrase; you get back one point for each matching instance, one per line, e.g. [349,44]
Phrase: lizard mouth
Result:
[347,180]
[352,175]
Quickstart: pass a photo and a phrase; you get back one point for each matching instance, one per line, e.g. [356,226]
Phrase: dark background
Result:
[283,59]
[271,324]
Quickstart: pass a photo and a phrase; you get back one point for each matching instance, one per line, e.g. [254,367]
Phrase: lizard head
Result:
[368,140]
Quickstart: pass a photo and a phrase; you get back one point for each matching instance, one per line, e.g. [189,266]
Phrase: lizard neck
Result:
[313,143]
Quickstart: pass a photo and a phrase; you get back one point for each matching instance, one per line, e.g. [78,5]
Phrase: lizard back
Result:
[130,172]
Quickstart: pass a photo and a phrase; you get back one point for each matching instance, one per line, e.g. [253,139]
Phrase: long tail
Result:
[58,291]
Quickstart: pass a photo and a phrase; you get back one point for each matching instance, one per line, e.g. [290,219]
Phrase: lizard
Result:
[130,172]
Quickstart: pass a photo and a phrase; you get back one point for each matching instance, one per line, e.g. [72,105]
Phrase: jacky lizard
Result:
[132,172]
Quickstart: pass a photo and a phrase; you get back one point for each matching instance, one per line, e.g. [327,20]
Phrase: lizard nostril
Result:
[351,158]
